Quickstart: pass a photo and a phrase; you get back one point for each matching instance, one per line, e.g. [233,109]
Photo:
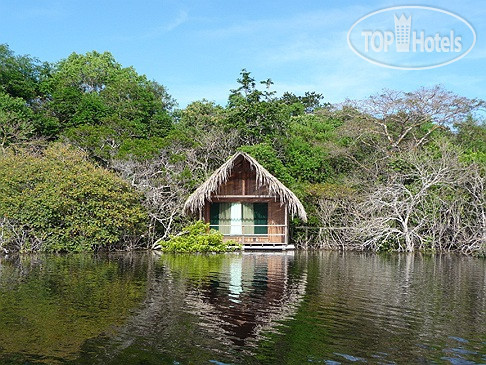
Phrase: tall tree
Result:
[91,88]
[257,114]
[408,119]
[21,75]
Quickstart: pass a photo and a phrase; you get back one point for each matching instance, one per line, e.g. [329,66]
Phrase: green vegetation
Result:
[197,237]
[396,171]
[197,268]
[59,201]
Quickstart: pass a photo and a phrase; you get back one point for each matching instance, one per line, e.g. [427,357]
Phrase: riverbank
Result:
[94,156]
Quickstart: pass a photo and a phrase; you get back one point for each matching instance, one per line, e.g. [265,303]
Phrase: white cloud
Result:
[299,23]
[159,30]
[181,18]
[309,52]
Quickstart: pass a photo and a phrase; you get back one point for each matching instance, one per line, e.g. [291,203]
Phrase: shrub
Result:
[66,203]
[197,237]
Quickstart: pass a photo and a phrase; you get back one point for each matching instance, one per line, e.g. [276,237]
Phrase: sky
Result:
[196,49]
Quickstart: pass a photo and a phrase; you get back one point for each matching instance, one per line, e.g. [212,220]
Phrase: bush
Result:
[66,203]
[197,237]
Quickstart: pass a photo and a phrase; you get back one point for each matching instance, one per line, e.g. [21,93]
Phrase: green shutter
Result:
[225,218]
[248,218]
[260,211]
[214,215]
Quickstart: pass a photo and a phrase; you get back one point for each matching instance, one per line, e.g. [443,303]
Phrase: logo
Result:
[402,33]
[411,37]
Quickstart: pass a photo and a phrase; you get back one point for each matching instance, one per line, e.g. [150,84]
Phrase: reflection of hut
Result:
[253,293]
[247,204]
[224,310]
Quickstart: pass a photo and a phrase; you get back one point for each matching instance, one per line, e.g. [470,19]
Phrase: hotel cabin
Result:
[247,204]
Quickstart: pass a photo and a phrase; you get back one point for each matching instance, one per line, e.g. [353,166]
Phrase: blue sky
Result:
[197,48]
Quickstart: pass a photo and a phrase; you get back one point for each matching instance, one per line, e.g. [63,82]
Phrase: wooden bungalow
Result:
[247,204]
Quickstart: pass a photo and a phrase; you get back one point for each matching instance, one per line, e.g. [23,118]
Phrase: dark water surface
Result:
[325,307]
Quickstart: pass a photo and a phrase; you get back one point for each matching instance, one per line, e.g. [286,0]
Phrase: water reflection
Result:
[247,295]
[388,309]
[201,309]
[50,305]
[326,307]
[236,287]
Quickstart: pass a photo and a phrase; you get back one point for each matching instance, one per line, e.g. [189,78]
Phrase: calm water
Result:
[326,307]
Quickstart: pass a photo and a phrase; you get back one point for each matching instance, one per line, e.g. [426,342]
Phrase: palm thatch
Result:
[196,201]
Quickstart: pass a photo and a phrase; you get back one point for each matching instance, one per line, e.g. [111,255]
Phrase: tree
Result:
[94,89]
[396,208]
[307,104]
[167,179]
[15,120]
[257,114]
[65,203]
[21,76]
[306,147]
[404,120]
[201,116]
[269,158]
[471,135]
[429,200]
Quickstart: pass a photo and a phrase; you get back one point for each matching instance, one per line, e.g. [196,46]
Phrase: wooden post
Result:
[286,228]
[243,190]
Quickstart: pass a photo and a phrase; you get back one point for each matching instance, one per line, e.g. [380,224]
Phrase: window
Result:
[260,212]
[239,218]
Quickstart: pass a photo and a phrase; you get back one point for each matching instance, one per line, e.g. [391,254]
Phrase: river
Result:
[252,308]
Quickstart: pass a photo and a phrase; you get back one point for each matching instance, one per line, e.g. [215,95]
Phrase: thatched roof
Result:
[203,193]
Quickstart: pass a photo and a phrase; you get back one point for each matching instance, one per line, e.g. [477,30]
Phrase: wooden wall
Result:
[242,181]
[276,215]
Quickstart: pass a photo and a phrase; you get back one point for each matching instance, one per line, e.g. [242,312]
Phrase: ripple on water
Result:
[328,307]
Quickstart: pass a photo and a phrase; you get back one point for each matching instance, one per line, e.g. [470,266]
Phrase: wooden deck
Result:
[272,241]
[268,246]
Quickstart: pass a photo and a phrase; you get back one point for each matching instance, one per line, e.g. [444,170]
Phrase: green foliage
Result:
[141,149]
[309,103]
[201,115]
[86,88]
[67,202]
[102,106]
[471,135]
[265,154]
[113,141]
[15,120]
[21,76]
[306,151]
[258,115]
[197,237]
[329,191]
[101,141]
